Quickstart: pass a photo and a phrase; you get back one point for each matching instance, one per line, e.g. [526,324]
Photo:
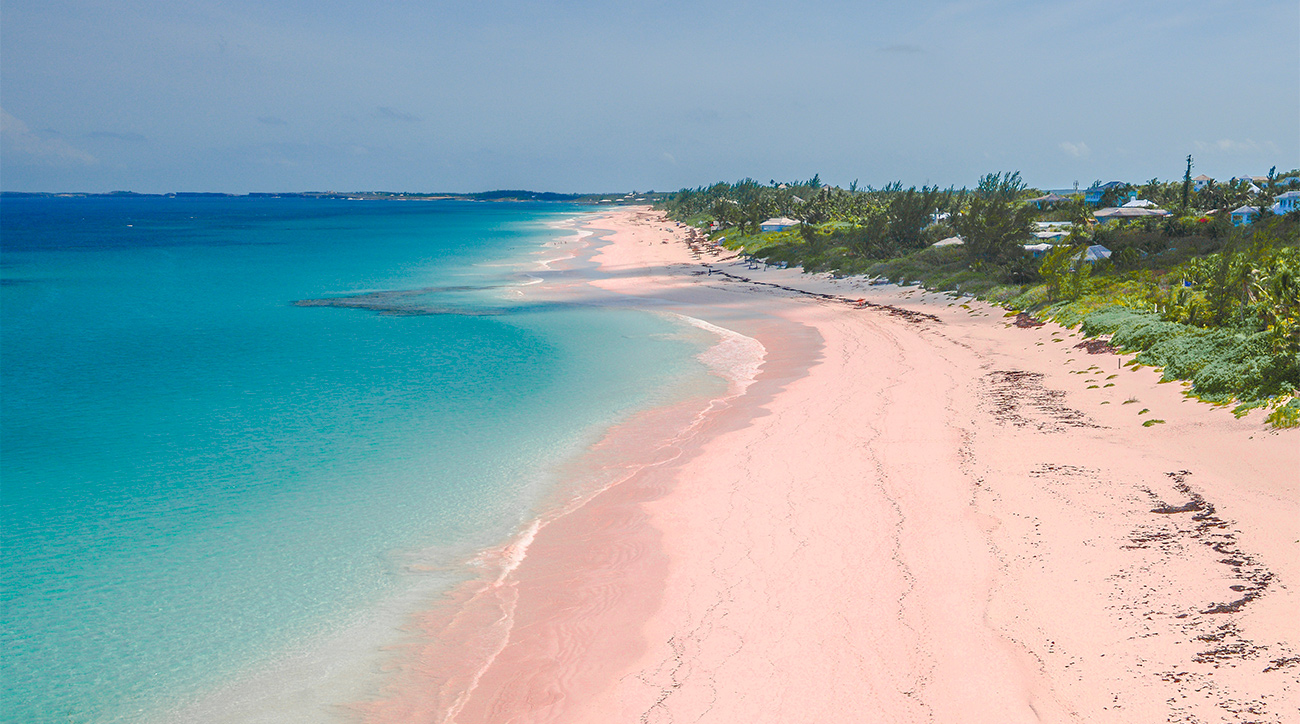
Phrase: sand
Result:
[918,512]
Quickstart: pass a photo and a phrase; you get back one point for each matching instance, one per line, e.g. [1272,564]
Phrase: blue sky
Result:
[593,96]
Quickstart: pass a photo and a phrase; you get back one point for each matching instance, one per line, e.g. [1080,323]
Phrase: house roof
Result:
[1096,252]
[1139,204]
[780,221]
[1128,213]
[1288,195]
[1107,185]
[1246,210]
[1051,198]
[1202,177]
[1037,247]
[950,241]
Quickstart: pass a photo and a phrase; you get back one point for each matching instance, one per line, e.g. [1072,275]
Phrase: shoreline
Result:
[918,511]
[624,469]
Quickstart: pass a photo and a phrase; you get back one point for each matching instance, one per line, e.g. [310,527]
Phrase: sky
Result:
[587,96]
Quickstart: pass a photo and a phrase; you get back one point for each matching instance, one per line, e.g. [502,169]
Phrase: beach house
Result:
[1094,193]
[1200,182]
[1048,201]
[778,224]
[1052,232]
[1051,236]
[1245,215]
[1095,253]
[1286,203]
[1252,182]
[1127,213]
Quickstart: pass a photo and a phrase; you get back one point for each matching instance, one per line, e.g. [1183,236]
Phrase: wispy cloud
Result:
[17,137]
[396,115]
[272,120]
[1078,150]
[113,136]
[902,48]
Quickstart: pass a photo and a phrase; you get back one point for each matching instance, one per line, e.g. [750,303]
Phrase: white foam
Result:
[513,554]
[736,357]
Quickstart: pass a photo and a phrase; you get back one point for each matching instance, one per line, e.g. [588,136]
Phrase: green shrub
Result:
[1287,415]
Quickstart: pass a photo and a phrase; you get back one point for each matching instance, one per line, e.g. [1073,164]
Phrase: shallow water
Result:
[203,480]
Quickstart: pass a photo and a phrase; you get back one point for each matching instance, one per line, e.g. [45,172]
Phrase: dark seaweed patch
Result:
[908,315]
[1096,346]
[1019,398]
[1025,321]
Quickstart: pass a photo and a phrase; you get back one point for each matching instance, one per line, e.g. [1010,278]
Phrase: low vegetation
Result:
[1211,303]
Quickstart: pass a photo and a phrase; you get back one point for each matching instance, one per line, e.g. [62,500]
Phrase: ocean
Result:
[243,440]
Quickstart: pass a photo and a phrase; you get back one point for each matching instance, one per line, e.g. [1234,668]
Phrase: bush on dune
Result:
[1223,365]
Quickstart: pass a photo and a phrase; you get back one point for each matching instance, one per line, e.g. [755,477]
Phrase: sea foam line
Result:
[736,358]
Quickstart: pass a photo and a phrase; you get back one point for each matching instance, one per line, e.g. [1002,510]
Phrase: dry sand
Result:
[917,513]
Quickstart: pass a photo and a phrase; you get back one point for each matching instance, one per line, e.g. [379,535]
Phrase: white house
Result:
[780,223]
[1286,203]
[1252,182]
[1245,215]
[1201,182]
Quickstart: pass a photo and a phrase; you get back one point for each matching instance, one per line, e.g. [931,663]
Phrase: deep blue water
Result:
[198,476]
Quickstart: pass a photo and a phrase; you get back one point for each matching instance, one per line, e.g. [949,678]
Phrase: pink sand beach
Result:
[915,511]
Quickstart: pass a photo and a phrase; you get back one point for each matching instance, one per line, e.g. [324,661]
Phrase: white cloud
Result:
[1078,150]
[17,137]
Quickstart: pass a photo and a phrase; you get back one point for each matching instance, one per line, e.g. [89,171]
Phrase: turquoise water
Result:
[199,476]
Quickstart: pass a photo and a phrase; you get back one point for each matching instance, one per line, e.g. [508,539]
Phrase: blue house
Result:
[1093,194]
[1245,216]
[1287,202]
